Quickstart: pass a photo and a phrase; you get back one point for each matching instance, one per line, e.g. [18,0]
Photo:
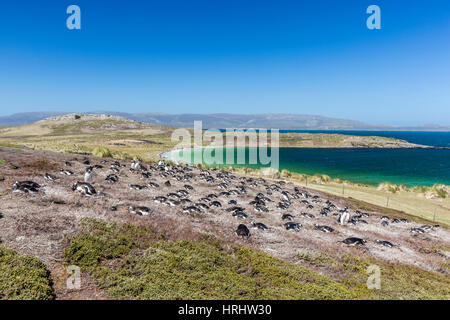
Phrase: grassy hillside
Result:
[127,138]
[23,277]
[130,262]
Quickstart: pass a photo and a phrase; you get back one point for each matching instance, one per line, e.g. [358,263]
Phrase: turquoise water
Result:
[429,138]
[368,166]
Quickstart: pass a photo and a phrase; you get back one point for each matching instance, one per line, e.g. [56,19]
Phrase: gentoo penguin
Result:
[167,183]
[293,226]
[325,229]
[287,217]
[344,216]
[160,199]
[135,165]
[384,223]
[232,202]
[50,177]
[191,209]
[84,188]
[153,185]
[141,211]
[88,174]
[216,204]
[384,243]
[66,172]
[240,215]
[68,164]
[417,230]
[172,203]
[112,178]
[242,231]
[25,187]
[137,187]
[353,241]
[259,225]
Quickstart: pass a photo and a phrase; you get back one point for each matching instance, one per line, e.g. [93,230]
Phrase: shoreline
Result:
[165,155]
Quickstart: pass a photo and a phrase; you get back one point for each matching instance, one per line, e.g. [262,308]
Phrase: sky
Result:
[234,56]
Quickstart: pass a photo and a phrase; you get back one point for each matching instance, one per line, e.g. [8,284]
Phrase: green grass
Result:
[23,277]
[102,152]
[398,281]
[135,263]
[130,262]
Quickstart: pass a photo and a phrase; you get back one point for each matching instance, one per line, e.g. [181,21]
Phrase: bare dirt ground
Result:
[37,224]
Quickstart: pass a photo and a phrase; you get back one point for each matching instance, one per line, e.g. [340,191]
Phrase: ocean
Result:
[371,166]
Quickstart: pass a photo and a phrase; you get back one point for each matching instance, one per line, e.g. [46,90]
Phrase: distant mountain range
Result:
[224,120]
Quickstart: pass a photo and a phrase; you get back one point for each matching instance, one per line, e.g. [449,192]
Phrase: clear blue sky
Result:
[237,56]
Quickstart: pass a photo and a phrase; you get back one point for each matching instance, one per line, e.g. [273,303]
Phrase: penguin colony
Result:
[227,196]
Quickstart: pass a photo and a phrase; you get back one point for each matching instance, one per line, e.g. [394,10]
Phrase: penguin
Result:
[324,212]
[242,231]
[188,187]
[88,174]
[142,211]
[293,226]
[353,241]
[66,172]
[160,199]
[172,203]
[287,217]
[153,185]
[202,206]
[384,243]
[260,208]
[240,215]
[307,215]
[185,201]
[259,225]
[50,177]
[234,202]
[25,187]
[191,209]
[344,216]
[216,204]
[85,188]
[137,187]
[384,223]
[417,230]
[167,183]
[68,164]
[112,178]
[325,229]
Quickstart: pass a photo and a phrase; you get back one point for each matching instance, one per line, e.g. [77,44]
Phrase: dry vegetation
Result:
[127,256]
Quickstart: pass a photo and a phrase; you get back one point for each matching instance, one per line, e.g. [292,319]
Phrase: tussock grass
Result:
[23,277]
[130,262]
[398,281]
[102,152]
